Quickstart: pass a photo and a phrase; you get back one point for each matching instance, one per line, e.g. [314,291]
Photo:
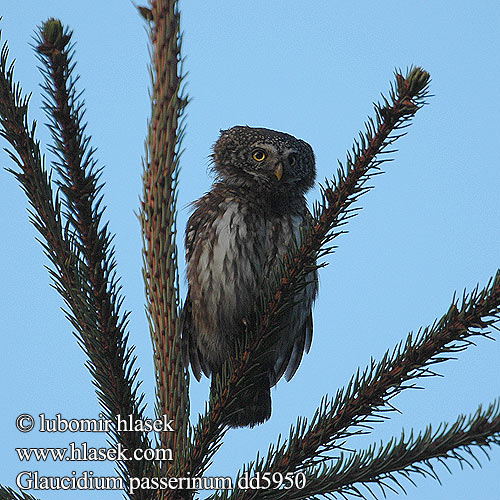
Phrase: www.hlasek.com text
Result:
[85,453]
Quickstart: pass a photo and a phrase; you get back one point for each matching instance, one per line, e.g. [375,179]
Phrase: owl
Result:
[235,238]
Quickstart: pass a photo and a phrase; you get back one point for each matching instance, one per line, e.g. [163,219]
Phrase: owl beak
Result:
[278,171]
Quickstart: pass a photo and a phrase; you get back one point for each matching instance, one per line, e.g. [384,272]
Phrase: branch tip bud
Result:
[53,36]
[416,80]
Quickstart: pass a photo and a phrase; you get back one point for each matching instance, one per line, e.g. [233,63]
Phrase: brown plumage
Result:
[234,239]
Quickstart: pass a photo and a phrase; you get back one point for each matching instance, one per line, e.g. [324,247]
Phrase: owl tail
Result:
[253,406]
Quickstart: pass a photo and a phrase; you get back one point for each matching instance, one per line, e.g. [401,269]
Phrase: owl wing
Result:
[288,363]
[291,355]
[188,331]
[189,335]
[302,344]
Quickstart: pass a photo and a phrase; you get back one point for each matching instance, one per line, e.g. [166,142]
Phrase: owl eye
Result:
[259,155]
[292,159]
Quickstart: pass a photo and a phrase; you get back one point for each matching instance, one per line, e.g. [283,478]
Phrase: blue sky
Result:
[429,227]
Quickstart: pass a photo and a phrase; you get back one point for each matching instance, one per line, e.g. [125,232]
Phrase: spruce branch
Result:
[406,97]
[112,361]
[369,393]
[82,258]
[45,213]
[10,494]
[385,465]
[158,212]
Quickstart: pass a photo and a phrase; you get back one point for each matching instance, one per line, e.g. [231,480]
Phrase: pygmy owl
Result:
[235,237]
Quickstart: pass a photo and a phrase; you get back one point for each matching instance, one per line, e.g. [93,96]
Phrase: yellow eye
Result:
[292,159]
[259,155]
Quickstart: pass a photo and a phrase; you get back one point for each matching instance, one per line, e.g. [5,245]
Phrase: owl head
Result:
[259,158]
